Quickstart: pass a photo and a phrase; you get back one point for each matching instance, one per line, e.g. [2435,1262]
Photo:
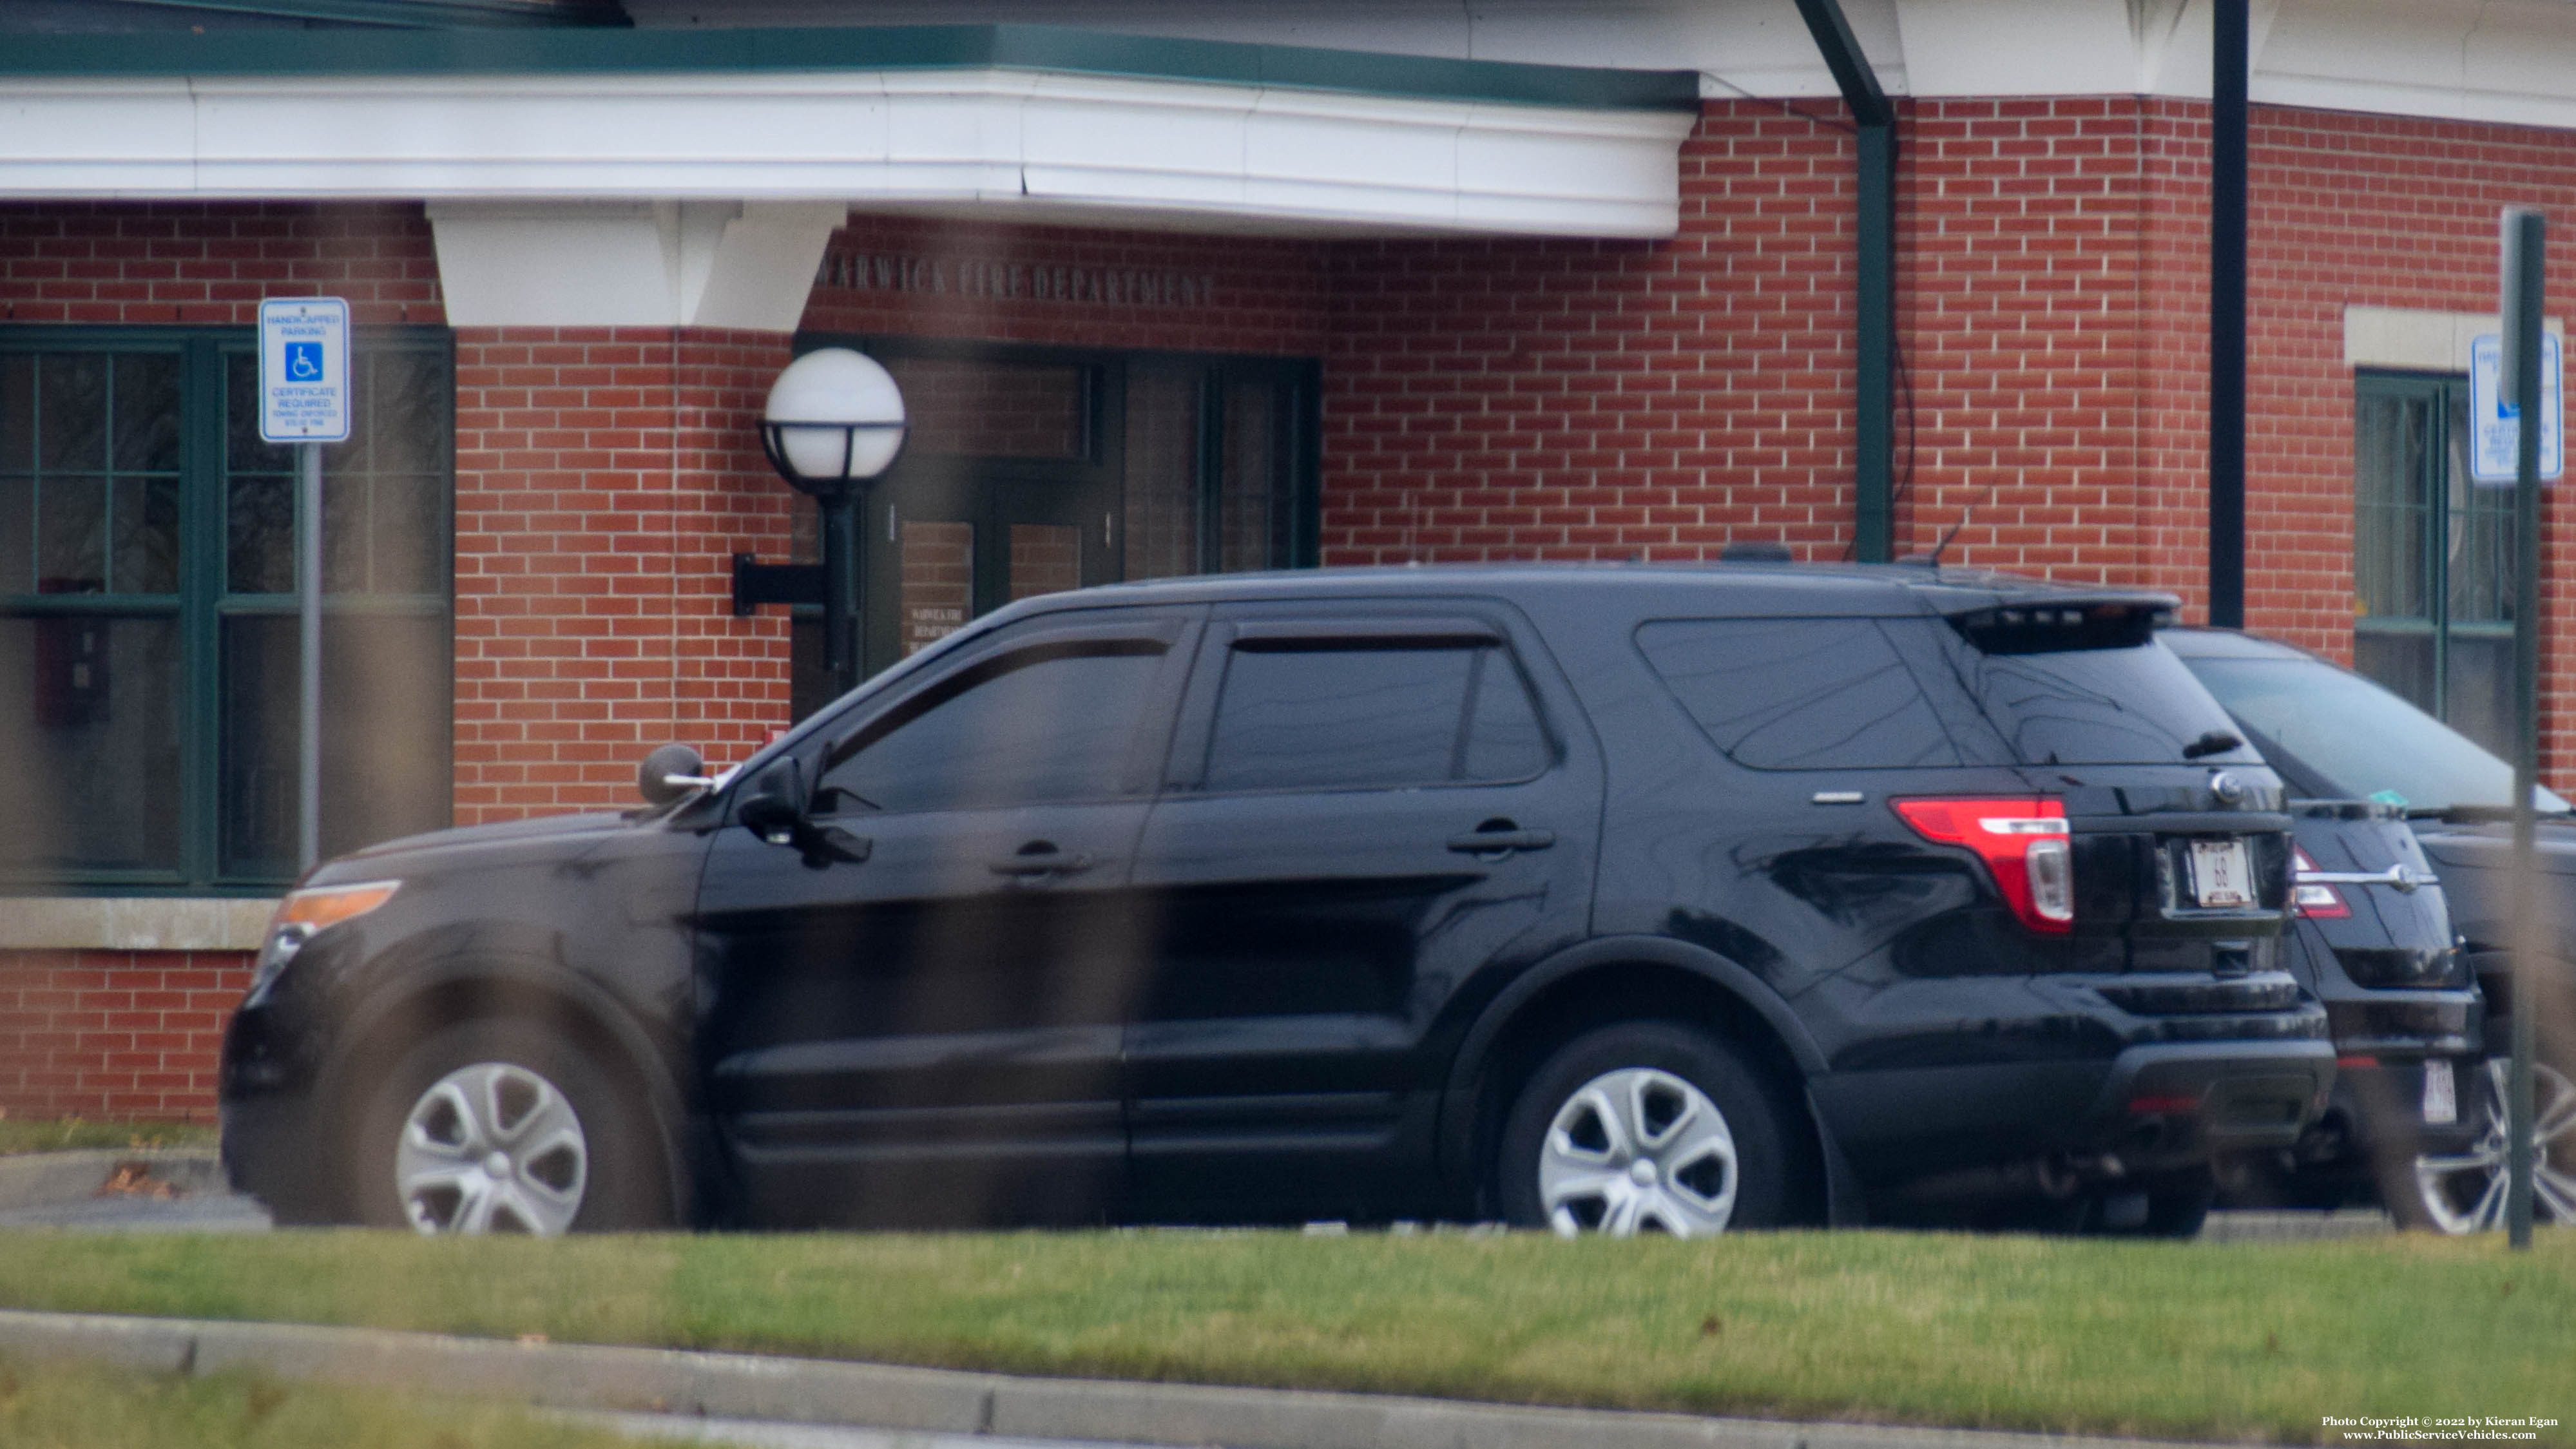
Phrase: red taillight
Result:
[2313,899]
[2024,845]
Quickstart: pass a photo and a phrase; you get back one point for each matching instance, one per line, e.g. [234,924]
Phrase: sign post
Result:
[2525,370]
[304,400]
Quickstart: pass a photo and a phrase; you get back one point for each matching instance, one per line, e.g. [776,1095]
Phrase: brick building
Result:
[1171,290]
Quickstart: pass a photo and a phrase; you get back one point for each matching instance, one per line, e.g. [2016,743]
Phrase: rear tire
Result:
[2464,1192]
[1646,1126]
[501,1126]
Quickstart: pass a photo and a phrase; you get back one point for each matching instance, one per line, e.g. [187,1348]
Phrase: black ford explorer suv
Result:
[1620,899]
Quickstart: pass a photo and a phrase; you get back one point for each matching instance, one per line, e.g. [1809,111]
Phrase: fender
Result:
[523,955]
[1466,1069]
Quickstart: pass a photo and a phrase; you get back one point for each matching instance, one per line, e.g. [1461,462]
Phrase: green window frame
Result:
[2432,555]
[148,603]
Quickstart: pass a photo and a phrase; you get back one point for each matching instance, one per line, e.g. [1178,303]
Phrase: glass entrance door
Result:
[949,544]
[1031,470]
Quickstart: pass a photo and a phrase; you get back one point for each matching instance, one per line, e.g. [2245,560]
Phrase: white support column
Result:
[744,265]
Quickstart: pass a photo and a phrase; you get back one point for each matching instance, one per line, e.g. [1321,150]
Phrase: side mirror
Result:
[772,804]
[671,773]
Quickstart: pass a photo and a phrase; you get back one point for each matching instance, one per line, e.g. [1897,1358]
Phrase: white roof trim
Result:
[1257,159]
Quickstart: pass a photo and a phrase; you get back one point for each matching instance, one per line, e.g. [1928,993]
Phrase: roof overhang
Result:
[1064,125]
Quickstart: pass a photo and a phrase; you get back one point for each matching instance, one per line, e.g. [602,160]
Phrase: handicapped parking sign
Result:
[2495,425]
[304,370]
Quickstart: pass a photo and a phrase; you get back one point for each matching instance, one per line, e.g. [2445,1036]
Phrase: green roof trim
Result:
[413,14]
[545,51]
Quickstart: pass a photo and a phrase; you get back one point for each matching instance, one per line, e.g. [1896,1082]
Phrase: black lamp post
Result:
[833,424]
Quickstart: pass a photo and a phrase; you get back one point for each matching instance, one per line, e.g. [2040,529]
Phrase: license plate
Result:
[2441,1094]
[2221,874]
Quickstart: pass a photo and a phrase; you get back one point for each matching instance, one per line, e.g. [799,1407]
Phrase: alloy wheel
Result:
[1638,1150]
[2464,1192]
[492,1148]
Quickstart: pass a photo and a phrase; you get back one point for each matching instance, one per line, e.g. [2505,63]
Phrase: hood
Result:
[546,836]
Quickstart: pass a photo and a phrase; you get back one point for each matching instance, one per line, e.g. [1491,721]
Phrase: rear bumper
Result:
[2153,1107]
[2179,1101]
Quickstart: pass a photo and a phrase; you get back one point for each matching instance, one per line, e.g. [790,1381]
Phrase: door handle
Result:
[1501,842]
[1027,867]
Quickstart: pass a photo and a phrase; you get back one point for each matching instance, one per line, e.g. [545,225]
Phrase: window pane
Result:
[385,712]
[243,450]
[2097,706]
[71,535]
[2480,537]
[71,412]
[1505,740]
[385,753]
[91,719]
[17,413]
[17,535]
[1340,718]
[257,796]
[409,546]
[1799,694]
[2400,660]
[2477,678]
[410,412]
[1162,494]
[936,589]
[147,412]
[147,536]
[2391,438]
[259,536]
[982,409]
[348,525]
[1042,724]
[1252,498]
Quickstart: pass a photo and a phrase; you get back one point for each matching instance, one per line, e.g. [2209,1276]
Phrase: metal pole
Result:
[1874,476]
[2524,237]
[308,604]
[2229,64]
[840,580]
[1874,326]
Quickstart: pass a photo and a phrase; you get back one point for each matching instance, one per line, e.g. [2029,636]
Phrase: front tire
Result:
[1645,1127]
[504,1127]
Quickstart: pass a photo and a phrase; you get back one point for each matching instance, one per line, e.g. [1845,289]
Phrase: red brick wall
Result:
[212,263]
[604,479]
[129,1035]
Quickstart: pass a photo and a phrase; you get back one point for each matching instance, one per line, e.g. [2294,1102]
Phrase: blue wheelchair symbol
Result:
[304,362]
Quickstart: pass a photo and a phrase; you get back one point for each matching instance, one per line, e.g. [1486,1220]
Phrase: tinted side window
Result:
[1798,694]
[1047,723]
[1336,716]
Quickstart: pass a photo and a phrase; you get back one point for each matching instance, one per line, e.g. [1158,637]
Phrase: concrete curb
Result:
[811,1391]
[43,1179]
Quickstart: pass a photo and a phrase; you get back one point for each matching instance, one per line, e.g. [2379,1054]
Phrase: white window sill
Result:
[132,923]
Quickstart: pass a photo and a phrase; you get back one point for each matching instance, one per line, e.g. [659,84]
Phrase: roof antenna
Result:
[1938,549]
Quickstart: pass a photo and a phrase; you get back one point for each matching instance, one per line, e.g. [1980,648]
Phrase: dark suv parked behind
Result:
[1600,898]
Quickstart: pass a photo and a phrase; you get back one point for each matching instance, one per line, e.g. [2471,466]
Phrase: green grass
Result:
[72,1406]
[2218,1341]
[63,1134]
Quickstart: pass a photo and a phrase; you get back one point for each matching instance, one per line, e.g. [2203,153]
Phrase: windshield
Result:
[2358,740]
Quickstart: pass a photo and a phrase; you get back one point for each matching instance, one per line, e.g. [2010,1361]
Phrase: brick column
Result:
[604,479]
